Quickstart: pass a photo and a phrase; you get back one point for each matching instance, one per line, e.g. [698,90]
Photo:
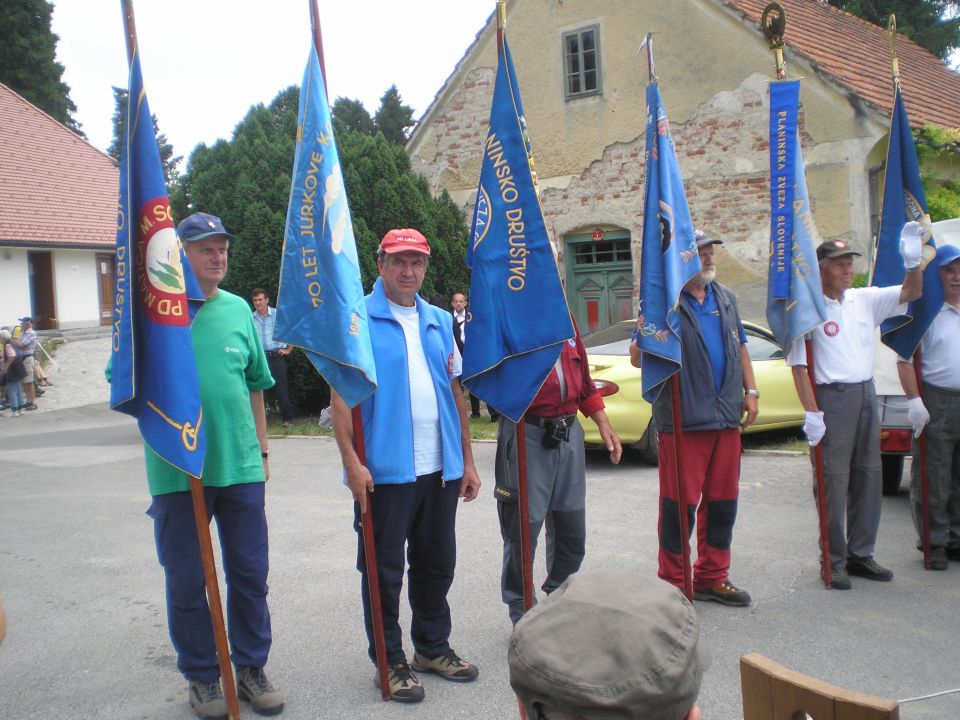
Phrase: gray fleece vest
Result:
[703,408]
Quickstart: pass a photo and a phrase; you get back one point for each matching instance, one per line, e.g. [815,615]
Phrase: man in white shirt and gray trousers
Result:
[848,419]
[939,405]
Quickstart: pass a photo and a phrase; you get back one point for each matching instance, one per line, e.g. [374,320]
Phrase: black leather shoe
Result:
[868,568]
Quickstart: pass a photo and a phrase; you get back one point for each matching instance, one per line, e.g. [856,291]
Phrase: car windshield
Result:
[613,340]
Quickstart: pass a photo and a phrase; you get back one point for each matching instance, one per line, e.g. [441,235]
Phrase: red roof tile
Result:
[856,55]
[55,188]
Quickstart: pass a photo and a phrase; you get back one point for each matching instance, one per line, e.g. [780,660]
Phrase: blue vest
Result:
[387,418]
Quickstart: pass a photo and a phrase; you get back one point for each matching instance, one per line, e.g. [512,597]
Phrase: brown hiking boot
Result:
[449,665]
[254,687]
[207,700]
[404,685]
[726,593]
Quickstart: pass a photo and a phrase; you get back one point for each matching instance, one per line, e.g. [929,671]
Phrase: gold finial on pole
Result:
[501,22]
[774,22]
[894,63]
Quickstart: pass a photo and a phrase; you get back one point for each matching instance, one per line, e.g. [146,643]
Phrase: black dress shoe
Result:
[868,568]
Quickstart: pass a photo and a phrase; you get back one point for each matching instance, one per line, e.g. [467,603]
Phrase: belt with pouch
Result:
[566,420]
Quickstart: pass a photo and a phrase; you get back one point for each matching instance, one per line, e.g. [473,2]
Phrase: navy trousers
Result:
[421,518]
[242,526]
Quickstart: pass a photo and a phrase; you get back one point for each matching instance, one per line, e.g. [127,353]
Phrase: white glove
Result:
[917,415]
[814,427]
[911,245]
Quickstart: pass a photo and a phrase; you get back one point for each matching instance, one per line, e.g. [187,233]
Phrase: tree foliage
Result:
[943,196]
[246,181]
[352,116]
[170,162]
[932,24]
[28,63]
[393,118]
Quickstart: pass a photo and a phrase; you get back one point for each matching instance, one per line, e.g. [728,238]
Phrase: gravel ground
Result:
[77,375]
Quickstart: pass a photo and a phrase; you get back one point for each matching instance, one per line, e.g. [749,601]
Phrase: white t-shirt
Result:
[940,350]
[427,449]
[843,344]
[462,319]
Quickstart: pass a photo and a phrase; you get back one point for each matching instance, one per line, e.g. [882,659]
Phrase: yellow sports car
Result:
[619,382]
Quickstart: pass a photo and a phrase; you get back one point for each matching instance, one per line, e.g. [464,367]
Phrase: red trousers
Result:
[711,481]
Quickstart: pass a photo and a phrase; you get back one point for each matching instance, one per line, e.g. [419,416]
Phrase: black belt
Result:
[539,421]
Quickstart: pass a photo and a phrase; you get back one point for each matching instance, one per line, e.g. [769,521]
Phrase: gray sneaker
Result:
[254,687]
[207,700]
[840,580]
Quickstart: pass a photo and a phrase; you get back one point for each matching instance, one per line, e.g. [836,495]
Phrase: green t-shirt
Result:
[231,364]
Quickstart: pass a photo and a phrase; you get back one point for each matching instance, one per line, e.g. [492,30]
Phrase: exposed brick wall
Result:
[723,155]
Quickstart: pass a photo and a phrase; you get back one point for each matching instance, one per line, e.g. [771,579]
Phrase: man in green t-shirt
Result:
[233,374]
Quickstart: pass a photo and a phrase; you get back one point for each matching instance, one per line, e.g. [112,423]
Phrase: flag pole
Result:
[922,440]
[523,507]
[826,568]
[677,423]
[774,23]
[201,519]
[366,519]
[924,473]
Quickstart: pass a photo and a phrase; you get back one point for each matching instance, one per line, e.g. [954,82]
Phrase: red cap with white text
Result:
[406,240]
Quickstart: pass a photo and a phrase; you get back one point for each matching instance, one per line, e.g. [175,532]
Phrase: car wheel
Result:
[892,466]
[647,446]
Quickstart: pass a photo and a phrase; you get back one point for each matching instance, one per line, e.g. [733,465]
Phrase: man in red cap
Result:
[419,460]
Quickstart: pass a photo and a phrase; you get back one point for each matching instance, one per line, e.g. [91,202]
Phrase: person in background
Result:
[265,319]
[26,343]
[459,304]
[938,409]
[13,373]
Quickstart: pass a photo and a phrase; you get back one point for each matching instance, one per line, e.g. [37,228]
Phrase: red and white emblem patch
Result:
[450,364]
[831,329]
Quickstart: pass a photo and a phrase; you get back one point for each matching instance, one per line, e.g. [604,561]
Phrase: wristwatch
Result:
[754,392]
[265,454]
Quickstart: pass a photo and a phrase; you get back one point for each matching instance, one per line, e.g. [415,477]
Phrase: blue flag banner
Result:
[153,376]
[904,201]
[795,303]
[669,258]
[320,305]
[518,316]
[784,98]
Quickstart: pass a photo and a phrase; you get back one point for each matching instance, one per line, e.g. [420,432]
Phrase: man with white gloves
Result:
[848,420]
[938,405]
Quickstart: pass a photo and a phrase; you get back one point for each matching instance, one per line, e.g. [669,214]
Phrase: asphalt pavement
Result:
[84,594]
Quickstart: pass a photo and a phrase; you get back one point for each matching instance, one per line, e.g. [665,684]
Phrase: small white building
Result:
[58,208]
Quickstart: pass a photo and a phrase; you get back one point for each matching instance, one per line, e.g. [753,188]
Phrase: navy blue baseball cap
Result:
[201,225]
[947,254]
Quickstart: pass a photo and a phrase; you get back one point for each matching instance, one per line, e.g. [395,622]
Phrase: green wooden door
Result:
[600,279]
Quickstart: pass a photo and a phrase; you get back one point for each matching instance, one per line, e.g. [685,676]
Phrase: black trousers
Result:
[278,368]
[418,517]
